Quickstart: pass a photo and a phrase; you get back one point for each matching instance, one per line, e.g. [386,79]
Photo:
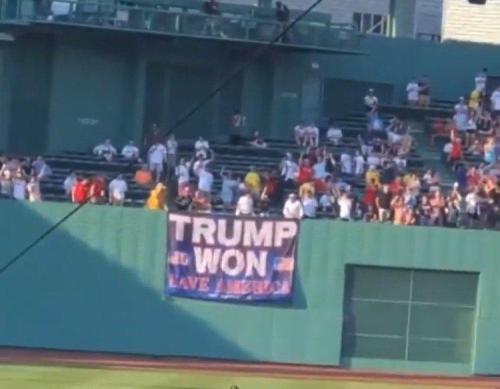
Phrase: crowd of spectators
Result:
[20,178]
[369,181]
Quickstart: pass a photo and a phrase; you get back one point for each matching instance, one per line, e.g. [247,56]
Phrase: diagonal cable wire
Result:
[256,55]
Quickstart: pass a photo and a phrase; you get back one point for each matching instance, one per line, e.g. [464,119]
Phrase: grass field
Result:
[44,377]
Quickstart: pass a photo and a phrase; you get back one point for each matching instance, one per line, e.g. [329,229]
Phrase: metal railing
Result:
[153,17]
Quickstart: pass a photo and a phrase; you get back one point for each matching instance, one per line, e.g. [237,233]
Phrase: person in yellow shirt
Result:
[372,176]
[253,182]
[474,100]
[157,198]
[305,188]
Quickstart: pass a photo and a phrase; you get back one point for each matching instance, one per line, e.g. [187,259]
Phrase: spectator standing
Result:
[480,81]
[461,117]
[157,198]
[182,173]
[253,182]
[97,190]
[305,173]
[157,156]
[345,163]
[495,103]
[424,92]
[245,204]
[41,169]
[201,202]
[33,189]
[105,150]
[359,164]
[19,185]
[201,148]
[293,208]
[205,181]
[117,190]
[69,183]
[80,191]
[383,202]
[412,91]
[282,15]
[130,151]
[371,103]
[345,204]
[289,171]
[309,205]
[229,187]
[172,147]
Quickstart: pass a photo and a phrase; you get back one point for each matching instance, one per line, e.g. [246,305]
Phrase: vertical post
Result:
[392,19]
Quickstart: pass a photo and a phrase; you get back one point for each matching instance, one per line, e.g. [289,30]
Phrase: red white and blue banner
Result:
[216,257]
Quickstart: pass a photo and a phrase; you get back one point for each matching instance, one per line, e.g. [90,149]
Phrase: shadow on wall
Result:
[66,295]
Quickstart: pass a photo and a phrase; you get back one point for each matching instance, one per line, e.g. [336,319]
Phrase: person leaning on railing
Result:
[212,24]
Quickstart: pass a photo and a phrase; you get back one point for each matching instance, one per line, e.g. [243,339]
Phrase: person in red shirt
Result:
[97,190]
[456,150]
[397,186]
[272,190]
[80,191]
[370,194]
[305,171]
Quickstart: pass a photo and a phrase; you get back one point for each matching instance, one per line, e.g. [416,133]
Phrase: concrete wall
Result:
[463,21]
[97,284]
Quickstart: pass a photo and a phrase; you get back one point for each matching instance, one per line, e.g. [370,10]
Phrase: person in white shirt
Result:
[130,151]
[371,102]
[182,173]
[461,114]
[480,81]
[412,92]
[495,103]
[310,205]
[345,206]
[359,164]
[41,169]
[157,155]
[68,184]
[345,163]
[172,146]
[105,150]
[117,190]
[334,134]
[205,181]
[201,147]
[289,170]
[312,135]
[201,164]
[300,133]
[293,208]
[19,186]
[244,206]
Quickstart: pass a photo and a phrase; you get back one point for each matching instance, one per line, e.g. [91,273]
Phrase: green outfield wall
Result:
[97,284]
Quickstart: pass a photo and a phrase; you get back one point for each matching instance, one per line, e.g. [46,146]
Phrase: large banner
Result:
[217,257]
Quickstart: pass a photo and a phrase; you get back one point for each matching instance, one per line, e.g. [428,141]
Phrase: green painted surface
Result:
[97,284]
